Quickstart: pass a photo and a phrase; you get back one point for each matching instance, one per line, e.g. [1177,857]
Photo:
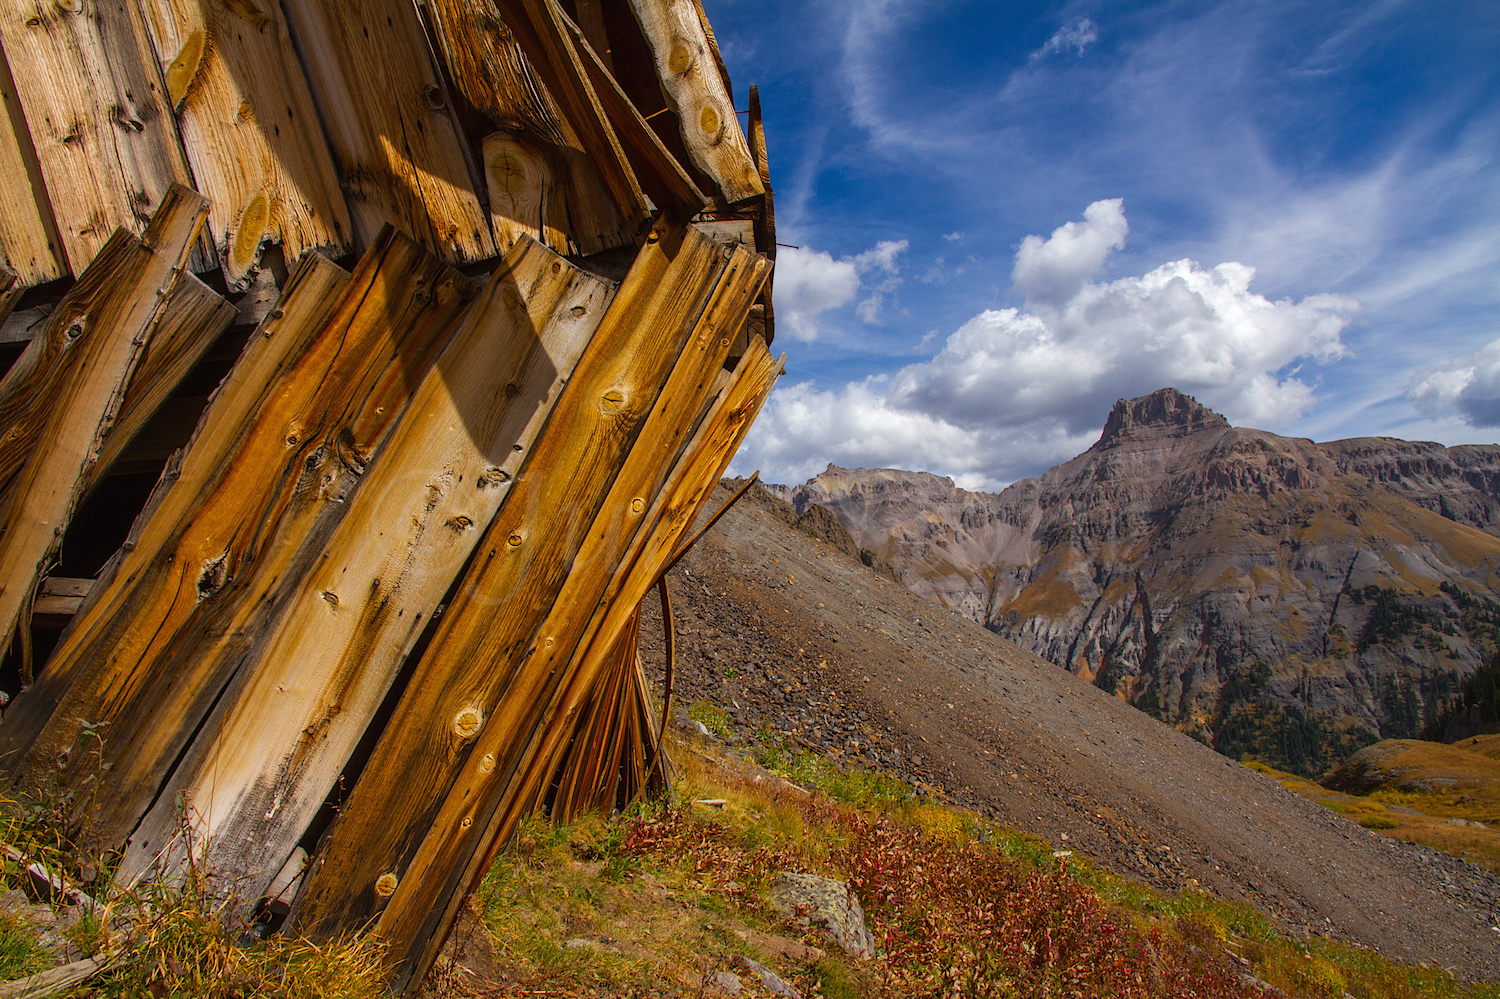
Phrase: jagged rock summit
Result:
[1165,413]
[1268,593]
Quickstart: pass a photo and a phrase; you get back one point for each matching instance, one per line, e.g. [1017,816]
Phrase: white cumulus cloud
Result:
[1468,385]
[811,282]
[1054,269]
[1015,389]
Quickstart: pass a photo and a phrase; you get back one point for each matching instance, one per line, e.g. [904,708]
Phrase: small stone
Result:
[728,981]
[579,943]
[768,978]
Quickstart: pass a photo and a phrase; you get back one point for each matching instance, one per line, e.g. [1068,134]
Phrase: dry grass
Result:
[166,939]
[665,896]
[1417,815]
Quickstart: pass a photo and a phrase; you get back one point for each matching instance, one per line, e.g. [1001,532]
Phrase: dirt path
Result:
[784,629]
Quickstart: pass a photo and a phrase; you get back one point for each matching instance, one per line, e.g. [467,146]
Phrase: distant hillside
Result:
[1267,594]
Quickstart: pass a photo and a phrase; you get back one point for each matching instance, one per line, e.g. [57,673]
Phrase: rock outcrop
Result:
[1238,584]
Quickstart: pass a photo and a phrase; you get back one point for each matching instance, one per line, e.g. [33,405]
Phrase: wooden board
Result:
[191,319]
[210,579]
[493,74]
[426,874]
[399,155]
[91,345]
[490,629]
[250,130]
[29,243]
[296,712]
[107,617]
[543,713]
[540,28]
[660,175]
[550,193]
[98,116]
[689,72]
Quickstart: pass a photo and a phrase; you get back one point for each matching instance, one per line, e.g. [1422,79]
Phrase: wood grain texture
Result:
[61,401]
[97,114]
[536,167]
[550,193]
[393,319]
[689,73]
[122,596]
[29,243]
[398,152]
[434,879]
[191,319]
[296,710]
[493,74]
[487,637]
[210,578]
[496,800]
[541,29]
[250,130]
[659,173]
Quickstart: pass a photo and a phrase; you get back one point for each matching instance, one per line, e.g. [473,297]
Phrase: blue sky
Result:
[1010,214]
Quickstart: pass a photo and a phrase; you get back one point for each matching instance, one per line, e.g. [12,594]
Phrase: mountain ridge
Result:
[1231,581]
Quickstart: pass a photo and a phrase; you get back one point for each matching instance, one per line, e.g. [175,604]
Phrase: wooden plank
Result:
[93,340]
[526,757]
[191,319]
[61,595]
[250,129]
[662,177]
[536,166]
[427,880]
[689,74]
[552,194]
[218,574]
[257,780]
[29,243]
[97,114]
[731,232]
[591,22]
[121,597]
[398,152]
[540,27]
[765,223]
[487,633]
[713,48]
[492,72]
[10,293]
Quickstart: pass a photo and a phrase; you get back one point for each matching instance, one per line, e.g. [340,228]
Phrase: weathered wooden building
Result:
[368,365]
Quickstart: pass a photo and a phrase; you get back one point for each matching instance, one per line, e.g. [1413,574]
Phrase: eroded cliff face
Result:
[1215,575]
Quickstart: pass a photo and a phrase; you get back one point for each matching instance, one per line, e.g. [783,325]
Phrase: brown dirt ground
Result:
[784,629]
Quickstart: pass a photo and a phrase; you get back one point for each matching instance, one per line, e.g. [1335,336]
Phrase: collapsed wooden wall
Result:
[381,602]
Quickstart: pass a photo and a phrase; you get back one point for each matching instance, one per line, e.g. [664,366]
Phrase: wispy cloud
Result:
[1077,35]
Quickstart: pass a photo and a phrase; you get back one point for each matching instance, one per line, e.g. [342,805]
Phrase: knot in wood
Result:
[466,723]
[435,100]
[385,885]
[487,764]
[680,59]
[514,540]
[637,505]
[612,401]
[711,123]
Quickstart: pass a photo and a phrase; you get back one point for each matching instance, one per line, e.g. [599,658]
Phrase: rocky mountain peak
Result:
[1164,413]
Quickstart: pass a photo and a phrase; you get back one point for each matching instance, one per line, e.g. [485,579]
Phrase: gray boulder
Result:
[830,904]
